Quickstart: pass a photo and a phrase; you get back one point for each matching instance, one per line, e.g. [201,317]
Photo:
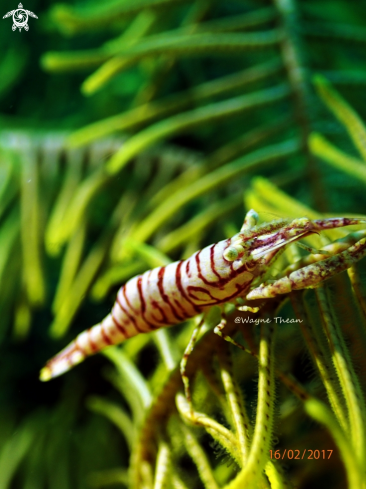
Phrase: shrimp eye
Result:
[232,252]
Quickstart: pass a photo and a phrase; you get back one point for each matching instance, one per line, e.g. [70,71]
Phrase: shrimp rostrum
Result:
[220,273]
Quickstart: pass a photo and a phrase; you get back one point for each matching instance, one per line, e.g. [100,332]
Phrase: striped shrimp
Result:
[215,275]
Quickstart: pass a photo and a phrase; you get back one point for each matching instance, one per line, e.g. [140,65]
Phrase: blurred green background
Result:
[194,87]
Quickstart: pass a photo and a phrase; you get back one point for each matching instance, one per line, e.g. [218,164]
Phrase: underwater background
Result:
[133,133]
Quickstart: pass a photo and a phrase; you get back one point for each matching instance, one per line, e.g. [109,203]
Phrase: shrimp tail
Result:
[87,343]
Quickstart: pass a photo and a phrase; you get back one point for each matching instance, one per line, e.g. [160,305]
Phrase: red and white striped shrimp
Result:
[218,274]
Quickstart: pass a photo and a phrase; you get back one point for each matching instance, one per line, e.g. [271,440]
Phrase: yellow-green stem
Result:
[239,415]
[252,473]
[319,356]
[199,458]
[162,469]
[347,377]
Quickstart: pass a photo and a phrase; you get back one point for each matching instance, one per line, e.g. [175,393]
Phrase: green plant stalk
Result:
[319,356]
[139,27]
[6,172]
[70,265]
[215,179]
[132,379]
[163,466]
[218,432]
[14,451]
[135,29]
[173,103]
[334,32]
[129,202]
[190,24]
[51,171]
[79,288]
[22,318]
[12,65]
[337,158]
[159,70]
[34,473]
[167,169]
[87,191]
[108,478]
[347,377]
[262,437]
[275,476]
[75,213]
[191,247]
[215,386]
[9,232]
[238,22]
[10,292]
[356,327]
[228,152]
[281,201]
[69,187]
[191,119]
[227,24]
[198,223]
[257,200]
[132,397]
[344,77]
[30,229]
[357,288]
[187,45]
[163,405]
[58,465]
[318,411]
[292,49]
[9,194]
[148,257]
[146,472]
[344,113]
[253,200]
[167,349]
[76,20]
[177,483]
[99,78]
[239,415]
[149,254]
[115,274]
[199,458]
[115,414]
[72,61]
[89,268]
[199,43]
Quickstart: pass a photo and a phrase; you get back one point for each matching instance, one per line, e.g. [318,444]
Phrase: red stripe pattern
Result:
[167,295]
[160,297]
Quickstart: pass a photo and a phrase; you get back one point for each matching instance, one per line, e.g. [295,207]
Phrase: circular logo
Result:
[20,18]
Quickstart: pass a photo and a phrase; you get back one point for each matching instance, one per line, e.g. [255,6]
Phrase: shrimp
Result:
[215,275]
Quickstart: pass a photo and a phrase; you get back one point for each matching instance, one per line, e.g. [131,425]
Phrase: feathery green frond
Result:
[150,129]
